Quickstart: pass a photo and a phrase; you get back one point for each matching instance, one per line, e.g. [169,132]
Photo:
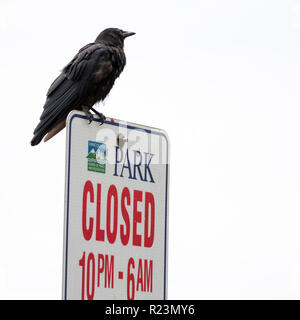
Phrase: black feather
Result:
[87,79]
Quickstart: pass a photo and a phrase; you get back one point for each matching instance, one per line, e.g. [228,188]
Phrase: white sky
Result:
[222,78]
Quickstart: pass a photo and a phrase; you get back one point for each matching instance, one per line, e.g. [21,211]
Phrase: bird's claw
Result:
[88,114]
[102,118]
[90,118]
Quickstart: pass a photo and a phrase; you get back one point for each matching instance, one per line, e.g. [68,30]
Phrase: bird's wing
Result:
[67,90]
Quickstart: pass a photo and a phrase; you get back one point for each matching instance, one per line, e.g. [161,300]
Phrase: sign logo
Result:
[96,156]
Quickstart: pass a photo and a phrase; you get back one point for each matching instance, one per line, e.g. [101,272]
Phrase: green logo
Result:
[96,156]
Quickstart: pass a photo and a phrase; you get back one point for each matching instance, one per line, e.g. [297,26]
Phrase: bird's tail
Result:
[36,139]
[61,99]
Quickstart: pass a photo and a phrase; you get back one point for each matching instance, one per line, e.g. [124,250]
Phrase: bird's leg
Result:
[100,115]
[88,113]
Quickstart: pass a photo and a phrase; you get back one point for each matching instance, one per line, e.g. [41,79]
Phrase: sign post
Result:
[116,210]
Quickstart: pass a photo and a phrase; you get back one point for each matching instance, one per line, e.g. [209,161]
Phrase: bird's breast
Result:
[104,76]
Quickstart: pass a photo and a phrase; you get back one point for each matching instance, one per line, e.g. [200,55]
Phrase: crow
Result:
[86,80]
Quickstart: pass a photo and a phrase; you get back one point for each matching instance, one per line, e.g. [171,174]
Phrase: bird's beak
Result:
[128,34]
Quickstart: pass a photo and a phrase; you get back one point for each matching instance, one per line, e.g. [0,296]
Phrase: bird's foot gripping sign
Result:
[116,211]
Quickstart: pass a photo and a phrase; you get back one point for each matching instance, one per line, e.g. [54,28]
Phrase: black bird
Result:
[87,79]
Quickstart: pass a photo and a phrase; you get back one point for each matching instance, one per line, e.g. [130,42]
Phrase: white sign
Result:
[116,210]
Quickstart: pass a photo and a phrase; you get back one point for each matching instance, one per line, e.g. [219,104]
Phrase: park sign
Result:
[116,210]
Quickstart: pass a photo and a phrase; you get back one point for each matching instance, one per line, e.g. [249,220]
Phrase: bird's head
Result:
[113,36]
